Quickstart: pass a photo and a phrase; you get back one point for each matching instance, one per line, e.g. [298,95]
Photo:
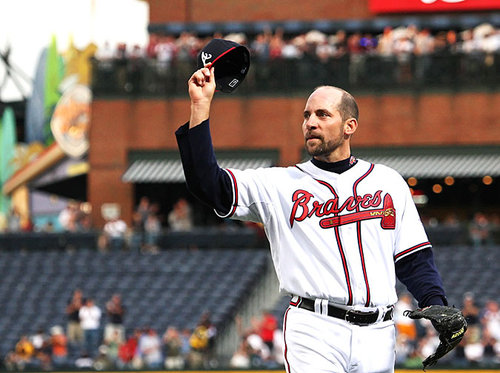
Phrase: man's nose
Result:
[311,122]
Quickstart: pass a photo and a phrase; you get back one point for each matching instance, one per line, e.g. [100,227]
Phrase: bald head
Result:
[346,104]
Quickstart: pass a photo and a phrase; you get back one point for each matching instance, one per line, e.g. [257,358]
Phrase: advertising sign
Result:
[405,6]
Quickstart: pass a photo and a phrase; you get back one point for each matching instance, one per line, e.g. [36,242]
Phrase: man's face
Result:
[323,127]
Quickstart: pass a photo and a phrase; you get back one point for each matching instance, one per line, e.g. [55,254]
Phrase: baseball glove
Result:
[449,323]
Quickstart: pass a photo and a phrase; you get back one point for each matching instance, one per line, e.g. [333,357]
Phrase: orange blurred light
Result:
[437,188]
[412,181]
[449,180]
[487,180]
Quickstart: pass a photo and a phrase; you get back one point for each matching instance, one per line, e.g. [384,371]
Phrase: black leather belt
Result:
[355,317]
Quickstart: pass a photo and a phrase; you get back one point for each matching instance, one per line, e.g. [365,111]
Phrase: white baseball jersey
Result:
[332,236]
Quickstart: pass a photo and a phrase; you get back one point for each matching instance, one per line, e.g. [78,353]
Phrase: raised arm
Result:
[204,178]
[201,91]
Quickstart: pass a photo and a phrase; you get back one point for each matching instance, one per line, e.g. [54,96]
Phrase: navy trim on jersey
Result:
[339,245]
[358,230]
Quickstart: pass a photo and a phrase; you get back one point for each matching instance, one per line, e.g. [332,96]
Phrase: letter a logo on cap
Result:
[204,57]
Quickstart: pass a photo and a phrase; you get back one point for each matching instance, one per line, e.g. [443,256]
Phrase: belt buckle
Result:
[355,317]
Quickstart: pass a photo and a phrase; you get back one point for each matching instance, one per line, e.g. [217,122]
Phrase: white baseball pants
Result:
[316,343]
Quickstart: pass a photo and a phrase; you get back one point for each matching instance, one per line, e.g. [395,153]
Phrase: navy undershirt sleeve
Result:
[419,274]
[204,178]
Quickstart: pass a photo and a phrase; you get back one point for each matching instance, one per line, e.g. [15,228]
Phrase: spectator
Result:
[267,328]
[473,348]
[74,328]
[143,208]
[14,220]
[491,318]
[103,361]
[41,343]
[186,345]
[199,347]
[113,235]
[59,347]
[241,357]
[172,343]
[424,47]
[278,347]
[491,349]
[479,230]
[115,311]
[23,356]
[112,348]
[470,310]
[149,349]
[404,325]
[84,361]
[127,352]
[259,352]
[180,218]
[136,238]
[68,217]
[428,343]
[152,231]
[90,320]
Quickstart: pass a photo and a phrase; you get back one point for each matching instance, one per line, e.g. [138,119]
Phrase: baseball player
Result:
[340,230]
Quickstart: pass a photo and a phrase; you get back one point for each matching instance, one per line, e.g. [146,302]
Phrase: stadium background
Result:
[130,129]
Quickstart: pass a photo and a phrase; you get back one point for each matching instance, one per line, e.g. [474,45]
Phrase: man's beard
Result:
[324,148]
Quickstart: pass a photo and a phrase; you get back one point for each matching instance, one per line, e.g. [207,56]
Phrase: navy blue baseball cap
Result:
[231,61]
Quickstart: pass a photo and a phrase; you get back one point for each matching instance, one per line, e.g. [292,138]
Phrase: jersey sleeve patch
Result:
[411,250]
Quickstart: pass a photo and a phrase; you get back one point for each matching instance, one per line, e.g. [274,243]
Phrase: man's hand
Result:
[201,91]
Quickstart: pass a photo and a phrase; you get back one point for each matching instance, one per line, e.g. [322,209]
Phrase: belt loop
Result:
[381,313]
[324,307]
[317,305]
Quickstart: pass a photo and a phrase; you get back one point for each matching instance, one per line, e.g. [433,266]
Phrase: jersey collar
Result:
[337,167]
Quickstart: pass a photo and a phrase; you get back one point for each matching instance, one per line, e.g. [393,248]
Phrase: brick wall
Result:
[386,120]
[162,11]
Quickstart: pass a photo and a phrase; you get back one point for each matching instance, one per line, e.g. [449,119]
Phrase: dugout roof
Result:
[437,162]
[164,167]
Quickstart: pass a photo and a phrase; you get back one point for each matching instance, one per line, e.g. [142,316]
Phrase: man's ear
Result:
[350,126]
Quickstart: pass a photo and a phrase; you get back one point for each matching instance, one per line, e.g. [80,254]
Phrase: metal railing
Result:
[445,70]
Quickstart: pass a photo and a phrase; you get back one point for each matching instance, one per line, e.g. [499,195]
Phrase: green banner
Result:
[8,140]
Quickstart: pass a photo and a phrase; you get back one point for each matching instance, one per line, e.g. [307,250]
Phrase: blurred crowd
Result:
[417,339]
[149,223]
[261,344]
[400,41]
[95,338]
[480,230]
[402,54]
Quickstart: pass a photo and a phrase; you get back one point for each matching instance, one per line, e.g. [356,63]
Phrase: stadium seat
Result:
[173,287]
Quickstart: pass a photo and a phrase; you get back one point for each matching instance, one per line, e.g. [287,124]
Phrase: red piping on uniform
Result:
[358,229]
[284,342]
[414,248]
[339,244]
